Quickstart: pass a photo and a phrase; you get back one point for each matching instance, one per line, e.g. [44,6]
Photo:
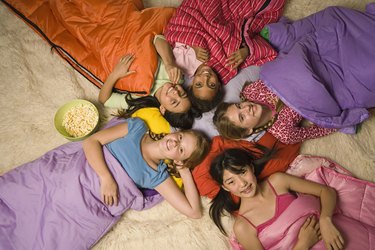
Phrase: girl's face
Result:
[245,115]
[172,97]
[205,83]
[178,146]
[241,185]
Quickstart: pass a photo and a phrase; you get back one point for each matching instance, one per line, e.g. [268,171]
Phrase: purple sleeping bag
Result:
[325,69]
[54,201]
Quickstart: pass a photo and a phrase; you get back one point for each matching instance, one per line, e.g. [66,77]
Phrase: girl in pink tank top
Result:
[261,203]
[282,202]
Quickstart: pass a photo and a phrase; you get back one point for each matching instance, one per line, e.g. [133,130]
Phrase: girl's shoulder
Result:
[279,182]
[136,125]
[276,177]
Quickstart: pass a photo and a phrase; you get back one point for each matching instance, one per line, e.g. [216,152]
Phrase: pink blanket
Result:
[219,26]
[353,217]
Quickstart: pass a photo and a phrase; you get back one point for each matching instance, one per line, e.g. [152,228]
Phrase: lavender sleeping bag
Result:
[325,67]
[54,201]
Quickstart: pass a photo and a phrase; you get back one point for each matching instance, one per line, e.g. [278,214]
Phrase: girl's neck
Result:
[260,208]
[266,117]
[149,151]
[251,202]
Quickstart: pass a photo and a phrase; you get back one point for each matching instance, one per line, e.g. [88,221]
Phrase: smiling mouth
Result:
[251,109]
[247,190]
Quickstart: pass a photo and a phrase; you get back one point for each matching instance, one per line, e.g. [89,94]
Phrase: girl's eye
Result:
[241,118]
[244,171]
[238,105]
[182,94]
[181,150]
[180,137]
[198,84]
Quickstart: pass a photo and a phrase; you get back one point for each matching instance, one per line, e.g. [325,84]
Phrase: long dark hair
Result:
[234,160]
[177,120]
[206,105]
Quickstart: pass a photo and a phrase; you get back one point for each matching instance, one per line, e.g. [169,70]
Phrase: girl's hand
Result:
[306,123]
[122,68]
[182,170]
[331,236]
[174,73]
[202,54]
[309,234]
[237,57]
[109,190]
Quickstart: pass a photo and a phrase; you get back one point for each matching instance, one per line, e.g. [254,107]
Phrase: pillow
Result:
[208,187]
[305,164]
[96,34]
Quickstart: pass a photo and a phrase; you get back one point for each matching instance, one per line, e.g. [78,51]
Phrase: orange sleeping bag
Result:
[92,35]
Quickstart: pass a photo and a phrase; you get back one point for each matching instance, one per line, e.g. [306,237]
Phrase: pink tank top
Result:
[282,202]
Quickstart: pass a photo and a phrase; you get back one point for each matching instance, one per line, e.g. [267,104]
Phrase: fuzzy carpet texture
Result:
[35,82]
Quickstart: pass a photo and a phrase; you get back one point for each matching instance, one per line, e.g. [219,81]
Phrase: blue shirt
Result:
[127,150]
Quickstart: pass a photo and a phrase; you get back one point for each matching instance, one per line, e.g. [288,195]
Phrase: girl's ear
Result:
[226,189]
[250,131]
[162,109]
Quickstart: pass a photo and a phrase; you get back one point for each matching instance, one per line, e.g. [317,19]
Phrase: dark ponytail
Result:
[223,201]
[182,120]
[177,120]
[135,104]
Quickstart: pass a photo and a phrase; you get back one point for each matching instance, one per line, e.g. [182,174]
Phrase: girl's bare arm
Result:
[93,148]
[187,203]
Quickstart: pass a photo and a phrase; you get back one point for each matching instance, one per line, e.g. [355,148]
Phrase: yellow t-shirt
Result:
[154,120]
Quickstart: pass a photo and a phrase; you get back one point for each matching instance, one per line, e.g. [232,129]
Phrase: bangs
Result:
[236,169]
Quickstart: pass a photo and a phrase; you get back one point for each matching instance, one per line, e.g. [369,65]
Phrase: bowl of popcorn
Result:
[77,119]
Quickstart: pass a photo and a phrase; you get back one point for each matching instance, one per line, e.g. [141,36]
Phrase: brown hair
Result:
[201,150]
[225,127]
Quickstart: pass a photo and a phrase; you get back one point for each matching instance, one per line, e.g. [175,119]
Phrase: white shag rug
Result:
[35,82]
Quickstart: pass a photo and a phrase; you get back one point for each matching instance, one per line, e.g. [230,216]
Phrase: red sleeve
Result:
[260,50]
[284,156]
